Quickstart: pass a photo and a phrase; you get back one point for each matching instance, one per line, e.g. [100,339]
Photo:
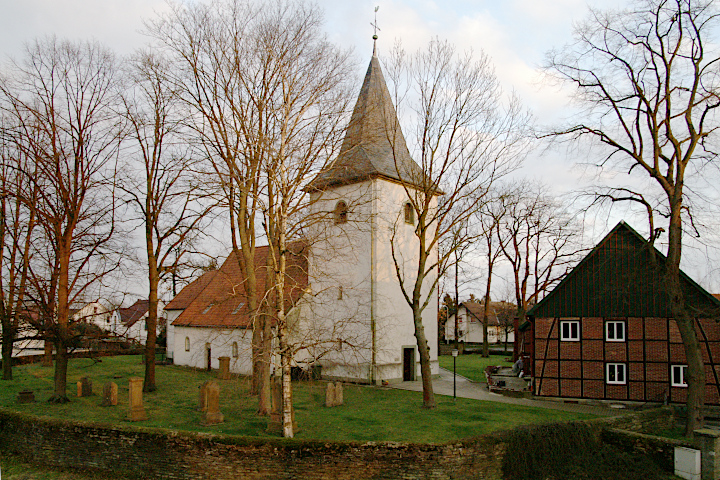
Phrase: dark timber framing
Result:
[620,280]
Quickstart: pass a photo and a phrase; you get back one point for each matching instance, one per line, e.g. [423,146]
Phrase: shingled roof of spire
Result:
[374,144]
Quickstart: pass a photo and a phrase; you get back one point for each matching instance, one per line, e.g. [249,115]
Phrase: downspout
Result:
[372,281]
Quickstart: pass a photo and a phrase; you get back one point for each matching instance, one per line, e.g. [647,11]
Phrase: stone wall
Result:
[130,452]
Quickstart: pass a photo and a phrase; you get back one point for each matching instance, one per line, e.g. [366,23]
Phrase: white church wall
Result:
[397,322]
[344,256]
[191,345]
[170,316]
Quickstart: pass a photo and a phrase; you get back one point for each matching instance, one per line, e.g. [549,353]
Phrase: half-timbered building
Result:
[606,331]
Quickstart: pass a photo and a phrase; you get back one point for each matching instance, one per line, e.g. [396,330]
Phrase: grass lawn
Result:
[369,413]
[472,366]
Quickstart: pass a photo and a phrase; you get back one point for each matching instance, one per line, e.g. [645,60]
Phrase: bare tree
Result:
[269,93]
[539,240]
[648,79]
[62,100]
[17,225]
[464,139]
[165,193]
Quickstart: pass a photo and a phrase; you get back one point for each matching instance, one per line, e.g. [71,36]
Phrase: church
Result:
[346,309]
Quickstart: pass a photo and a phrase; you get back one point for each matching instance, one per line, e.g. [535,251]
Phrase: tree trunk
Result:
[287,405]
[149,383]
[686,325]
[424,350]
[61,365]
[8,338]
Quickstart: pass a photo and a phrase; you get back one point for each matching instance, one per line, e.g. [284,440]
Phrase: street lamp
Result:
[454,355]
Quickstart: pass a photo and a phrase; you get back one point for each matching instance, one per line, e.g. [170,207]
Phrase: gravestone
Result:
[224,373]
[202,399]
[334,394]
[85,387]
[137,411]
[110,391]
[330,395]
[26,396]
[212,413]
[338,393]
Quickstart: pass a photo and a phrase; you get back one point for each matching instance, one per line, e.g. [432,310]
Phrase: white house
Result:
[99,313]
[133,321]
[470,323]
[351,315]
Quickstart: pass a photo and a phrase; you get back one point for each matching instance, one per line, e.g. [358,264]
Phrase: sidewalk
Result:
[478,391]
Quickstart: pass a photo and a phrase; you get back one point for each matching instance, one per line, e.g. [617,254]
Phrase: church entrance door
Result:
[408,364]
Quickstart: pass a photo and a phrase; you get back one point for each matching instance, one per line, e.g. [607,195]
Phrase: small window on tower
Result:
[341,212]
[409,214]
[340,293]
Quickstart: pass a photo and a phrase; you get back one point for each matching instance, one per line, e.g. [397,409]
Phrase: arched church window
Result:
[340,293]
[234,350]
[187,344]
[409,214]
[341,212]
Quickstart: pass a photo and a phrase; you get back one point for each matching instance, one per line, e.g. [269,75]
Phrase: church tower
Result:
[362,201]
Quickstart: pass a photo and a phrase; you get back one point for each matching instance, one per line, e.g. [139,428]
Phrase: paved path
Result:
[479,391]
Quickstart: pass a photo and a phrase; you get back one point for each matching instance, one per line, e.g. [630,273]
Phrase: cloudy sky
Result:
[515,33]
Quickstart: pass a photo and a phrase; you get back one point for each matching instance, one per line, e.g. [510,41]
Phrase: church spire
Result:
[374,145]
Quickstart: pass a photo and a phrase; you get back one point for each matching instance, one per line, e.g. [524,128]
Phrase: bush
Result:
[571,451]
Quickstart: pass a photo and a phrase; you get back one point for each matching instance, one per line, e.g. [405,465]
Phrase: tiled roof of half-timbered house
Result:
[619,278]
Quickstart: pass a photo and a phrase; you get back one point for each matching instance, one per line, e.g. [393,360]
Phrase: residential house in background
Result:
[470,323]
[98,312]
[606,331]
[132,322]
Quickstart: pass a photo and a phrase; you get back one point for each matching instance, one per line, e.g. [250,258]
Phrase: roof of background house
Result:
[183,299]
[130,315]
[374,144]
[477,310]
[619,278]
[222,303]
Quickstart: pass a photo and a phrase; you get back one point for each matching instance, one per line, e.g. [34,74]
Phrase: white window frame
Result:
[678,382]
[615,323]
[616,368]
[570,337]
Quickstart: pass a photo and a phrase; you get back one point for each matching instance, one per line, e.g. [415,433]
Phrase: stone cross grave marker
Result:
[224,373]
[212,413]
[110,391]
[137,411]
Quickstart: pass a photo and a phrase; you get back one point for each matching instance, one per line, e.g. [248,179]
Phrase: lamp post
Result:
[454,355]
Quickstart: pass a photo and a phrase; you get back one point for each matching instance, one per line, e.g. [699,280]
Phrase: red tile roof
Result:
[222,303]
[477,310]
[130,315]
[183,299]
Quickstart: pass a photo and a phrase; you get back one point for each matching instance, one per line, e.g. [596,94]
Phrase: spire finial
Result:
[376,28]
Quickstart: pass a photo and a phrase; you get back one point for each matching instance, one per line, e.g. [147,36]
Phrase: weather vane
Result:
[376,28]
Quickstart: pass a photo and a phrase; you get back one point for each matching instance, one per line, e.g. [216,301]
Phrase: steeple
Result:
[374,145]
